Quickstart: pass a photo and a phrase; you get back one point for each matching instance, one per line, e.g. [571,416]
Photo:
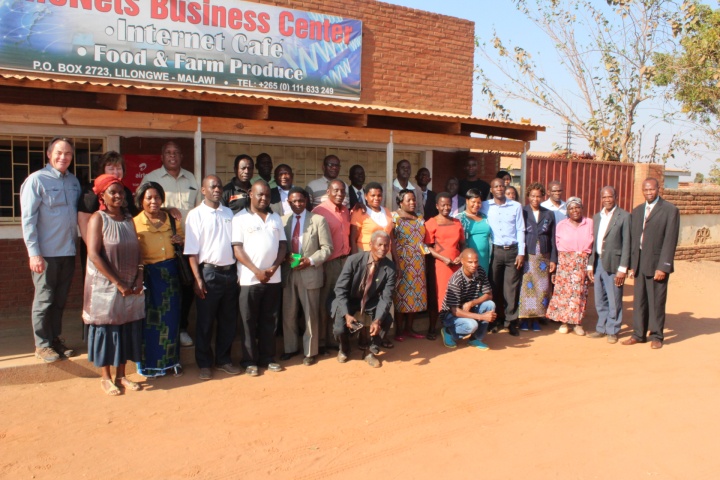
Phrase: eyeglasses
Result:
[332,165]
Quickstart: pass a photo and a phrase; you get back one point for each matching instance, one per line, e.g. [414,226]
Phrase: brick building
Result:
[411,82]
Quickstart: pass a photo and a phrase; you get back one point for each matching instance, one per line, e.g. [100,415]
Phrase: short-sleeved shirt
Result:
[367,226]
[48,205]
[462,289]
[260,240]
[338,220]
[182,192]
[208,234]
[234,196]
[155,243]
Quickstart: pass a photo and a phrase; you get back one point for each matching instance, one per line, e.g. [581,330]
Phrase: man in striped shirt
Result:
[468,307]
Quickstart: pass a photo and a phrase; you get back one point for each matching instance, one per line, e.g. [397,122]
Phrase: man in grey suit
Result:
[655,229]
[309,237]
[608,264]
[363,295]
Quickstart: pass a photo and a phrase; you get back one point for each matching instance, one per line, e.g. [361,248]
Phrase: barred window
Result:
[22,155]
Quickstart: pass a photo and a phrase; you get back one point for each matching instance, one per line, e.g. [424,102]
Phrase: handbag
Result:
[184,270]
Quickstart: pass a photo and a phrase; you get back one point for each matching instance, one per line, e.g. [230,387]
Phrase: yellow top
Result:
[155,244]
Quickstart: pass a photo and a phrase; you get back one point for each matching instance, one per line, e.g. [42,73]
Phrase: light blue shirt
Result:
[48,205]
[506,222]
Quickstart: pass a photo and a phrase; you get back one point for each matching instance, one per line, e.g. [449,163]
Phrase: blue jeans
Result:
[608,301]
[461,327]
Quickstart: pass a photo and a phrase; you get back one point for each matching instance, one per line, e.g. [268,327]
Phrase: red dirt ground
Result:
[543,405]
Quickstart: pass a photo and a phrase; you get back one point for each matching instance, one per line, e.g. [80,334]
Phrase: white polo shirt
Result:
[208,234]
[261,241]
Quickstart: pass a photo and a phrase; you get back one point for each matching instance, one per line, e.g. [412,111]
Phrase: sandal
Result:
[399,338]
[128,384]
[109,387]
[414,335]
[431,335]
[387,344]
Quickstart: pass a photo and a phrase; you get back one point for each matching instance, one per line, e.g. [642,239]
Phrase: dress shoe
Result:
[631,341]
[307,361]
[513,329]
[656,344]
[288,356]
[274,367]
[229,368]
[205,374]
[372,360]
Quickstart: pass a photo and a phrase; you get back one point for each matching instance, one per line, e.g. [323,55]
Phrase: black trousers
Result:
[506,280]
[219,307]
[187,295]
[649,308]
[259,309]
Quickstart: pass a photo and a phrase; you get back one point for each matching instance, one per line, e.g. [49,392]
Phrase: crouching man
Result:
[468,307]
[363,295]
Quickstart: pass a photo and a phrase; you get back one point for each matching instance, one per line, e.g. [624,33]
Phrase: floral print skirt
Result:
[571,289]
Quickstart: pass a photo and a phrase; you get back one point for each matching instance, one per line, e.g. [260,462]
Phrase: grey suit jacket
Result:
[316,245]
[348,291]
[615,243]
[660,238]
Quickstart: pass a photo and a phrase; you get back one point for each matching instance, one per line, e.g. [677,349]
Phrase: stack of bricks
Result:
[697,202]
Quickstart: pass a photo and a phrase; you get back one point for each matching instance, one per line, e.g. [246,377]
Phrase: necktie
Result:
[296,235]
[369,274]
[648,209]
[360,198]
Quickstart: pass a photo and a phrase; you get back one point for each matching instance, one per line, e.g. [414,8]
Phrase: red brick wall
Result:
[411,59]
[16,286]
[691,202]
[698,252]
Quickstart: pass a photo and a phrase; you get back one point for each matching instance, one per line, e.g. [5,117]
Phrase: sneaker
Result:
[563,328]
[578,329]
[372,360]
[307,361]
[274,367]
[59,346]
[205,374]
[252,371]
[229,369]
[524,326]
[186,340]
[342,357]
[596,335]
[612,339]
[536,326]
[478,344]
[447,338]
[47,354]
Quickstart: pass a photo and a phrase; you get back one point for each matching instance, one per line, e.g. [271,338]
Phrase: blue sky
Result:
[511,25]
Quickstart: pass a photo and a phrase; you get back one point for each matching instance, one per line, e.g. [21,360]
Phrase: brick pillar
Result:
[643,171]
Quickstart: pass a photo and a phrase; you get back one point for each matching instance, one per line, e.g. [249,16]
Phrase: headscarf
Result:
[102,183]
[572,200]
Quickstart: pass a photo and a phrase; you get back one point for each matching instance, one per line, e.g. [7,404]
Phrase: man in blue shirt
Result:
[508,255]
[48,202]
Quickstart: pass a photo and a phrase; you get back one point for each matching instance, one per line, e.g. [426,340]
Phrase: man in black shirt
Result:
[236,193]
[473,181]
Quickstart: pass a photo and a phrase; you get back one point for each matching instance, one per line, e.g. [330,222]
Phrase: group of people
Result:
[325,262]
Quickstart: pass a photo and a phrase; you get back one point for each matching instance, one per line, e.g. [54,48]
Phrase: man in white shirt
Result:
[608,264]
[318,187]
[403,170]
[554,202]
[181,192]
[310,239]
[259,243]
[208,231]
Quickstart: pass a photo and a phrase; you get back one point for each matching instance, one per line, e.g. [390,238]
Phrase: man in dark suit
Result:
[363,295]
[654,233]
[355,190]
[309,236]
[608,264]
[279,195]
[423,179]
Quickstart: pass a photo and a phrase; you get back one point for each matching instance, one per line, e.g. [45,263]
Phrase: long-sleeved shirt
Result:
[48,202]
[506,222]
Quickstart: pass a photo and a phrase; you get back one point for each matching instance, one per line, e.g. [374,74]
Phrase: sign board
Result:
[137,166]
[224,44]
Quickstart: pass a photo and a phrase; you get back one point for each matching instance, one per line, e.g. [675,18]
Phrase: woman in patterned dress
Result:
[478,234]
[574,239]
[540,259]
[409,252]
[446,239]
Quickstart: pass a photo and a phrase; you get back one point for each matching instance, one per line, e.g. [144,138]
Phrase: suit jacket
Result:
[349,289]
[316,245]
[542,230]
[659,240]
[615,243]
[352,196]
[275,201]
[430,209]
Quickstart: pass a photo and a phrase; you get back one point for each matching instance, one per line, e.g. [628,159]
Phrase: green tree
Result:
[699,177]
[714,173]
[606,49]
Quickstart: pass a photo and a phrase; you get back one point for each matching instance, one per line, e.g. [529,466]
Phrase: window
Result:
[22,155]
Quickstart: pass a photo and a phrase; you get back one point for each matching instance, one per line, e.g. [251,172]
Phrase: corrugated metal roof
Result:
[284,100]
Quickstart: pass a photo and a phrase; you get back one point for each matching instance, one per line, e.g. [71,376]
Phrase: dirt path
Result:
[545,405]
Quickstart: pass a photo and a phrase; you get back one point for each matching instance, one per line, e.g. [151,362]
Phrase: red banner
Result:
[137,166]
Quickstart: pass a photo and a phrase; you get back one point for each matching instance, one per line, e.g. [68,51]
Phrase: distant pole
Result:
[568,140]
